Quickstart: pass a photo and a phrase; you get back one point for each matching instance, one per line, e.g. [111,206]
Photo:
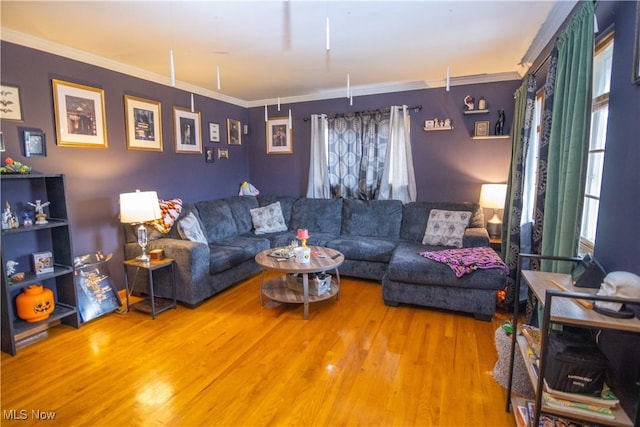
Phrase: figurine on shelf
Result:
[27,219]
[9,220]
[11,267]
[499,128]
[41,217]
[447,122]
[468,102]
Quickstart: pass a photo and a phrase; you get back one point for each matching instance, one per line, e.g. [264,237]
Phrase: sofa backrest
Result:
[416,214]
[240,209]
[371,218]
[217,220]
[317,215]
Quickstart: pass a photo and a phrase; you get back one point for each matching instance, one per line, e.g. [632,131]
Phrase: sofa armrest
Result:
[474,237]
[191,259]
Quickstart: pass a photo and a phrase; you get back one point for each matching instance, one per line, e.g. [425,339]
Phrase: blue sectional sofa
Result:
[380,241]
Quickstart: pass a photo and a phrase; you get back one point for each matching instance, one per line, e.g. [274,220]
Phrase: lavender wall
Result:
[618,235]
[449,165]
[96,177]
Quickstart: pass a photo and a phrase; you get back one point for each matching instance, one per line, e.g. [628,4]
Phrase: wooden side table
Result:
[151,305]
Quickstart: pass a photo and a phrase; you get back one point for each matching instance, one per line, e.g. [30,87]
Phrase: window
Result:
[531,164]
[597,141]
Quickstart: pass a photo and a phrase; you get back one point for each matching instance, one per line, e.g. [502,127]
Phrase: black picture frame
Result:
[635,76]
[34,143]
[2,147]
[209,154]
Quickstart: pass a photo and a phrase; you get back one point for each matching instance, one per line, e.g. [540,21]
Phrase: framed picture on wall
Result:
[10,102]
[223,153]
[234,134]
[80,115]
[279,136]
[187,132]
[209,154]
[144,123]
[2,148]
[214,132]
[34,144]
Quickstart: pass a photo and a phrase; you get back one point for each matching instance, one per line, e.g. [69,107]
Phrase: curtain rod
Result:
[414,109]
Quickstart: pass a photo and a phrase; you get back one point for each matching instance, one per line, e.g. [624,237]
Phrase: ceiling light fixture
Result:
[328,35]
[173,70]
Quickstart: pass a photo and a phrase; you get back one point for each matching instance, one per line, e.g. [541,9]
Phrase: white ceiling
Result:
[267,50]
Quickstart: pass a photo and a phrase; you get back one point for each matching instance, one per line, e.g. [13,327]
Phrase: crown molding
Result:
[99,61]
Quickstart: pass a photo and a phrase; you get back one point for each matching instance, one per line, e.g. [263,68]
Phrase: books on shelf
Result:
[607,398]
[547,420]
[533,337]
[578,408]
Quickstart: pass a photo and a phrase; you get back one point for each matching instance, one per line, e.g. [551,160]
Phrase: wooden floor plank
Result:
[235,362]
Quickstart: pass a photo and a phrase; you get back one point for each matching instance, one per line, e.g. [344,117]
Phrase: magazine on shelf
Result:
[578,408]
[606,399]
[533,337]
[547,420]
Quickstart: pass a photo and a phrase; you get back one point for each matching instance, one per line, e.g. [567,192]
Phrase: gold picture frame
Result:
[481,128]
[143,118]
[234,134]
[80,115]
[279,136]
[187,131]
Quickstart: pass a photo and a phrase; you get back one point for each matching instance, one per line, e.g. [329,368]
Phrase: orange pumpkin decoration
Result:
[36,303]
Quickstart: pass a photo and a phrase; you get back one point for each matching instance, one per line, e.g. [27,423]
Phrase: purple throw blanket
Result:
[466,260]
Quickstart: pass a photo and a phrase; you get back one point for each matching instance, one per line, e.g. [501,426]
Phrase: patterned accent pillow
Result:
[446,228]
[268,219]
[170,210]
[189,229]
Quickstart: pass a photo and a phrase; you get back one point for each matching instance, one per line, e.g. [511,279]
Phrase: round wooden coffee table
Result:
[277,289]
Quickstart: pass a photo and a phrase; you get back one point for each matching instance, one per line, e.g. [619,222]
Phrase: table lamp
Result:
[492,196]
[138,208]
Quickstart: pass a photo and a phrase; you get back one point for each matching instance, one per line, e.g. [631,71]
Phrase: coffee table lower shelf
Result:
[277,289]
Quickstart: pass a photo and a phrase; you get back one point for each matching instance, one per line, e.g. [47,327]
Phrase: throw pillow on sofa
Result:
[446,228]
[170,210]
[268,219]
[189,229]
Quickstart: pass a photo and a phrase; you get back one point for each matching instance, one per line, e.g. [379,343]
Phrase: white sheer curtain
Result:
[318,184]
[398,178]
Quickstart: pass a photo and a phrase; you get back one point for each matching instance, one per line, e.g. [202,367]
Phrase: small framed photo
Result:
[214,132]
[429,124]
[80,115]
[2,148]
[279,136]
[188,134]
[10,103]
[209,154]
[43,262]
[144,124]
[34,144]
[481,128]
[234,133]
[223,153]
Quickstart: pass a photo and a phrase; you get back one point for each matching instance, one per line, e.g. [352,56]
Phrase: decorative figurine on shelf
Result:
[41,217]
[27,219]
[436,123]
[468,102]
[447,122]
[9,220]
[11,166]
[11,267]
[499,128]
[482,103]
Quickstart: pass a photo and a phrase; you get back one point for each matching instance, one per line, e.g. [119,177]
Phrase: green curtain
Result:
[569,142]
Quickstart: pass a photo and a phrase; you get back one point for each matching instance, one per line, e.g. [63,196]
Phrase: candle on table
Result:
[303,233]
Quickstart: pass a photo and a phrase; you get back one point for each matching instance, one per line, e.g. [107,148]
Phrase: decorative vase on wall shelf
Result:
[35,303]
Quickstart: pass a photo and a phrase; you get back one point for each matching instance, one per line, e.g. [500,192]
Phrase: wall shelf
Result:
[476,111]
[492,137]
[438,128]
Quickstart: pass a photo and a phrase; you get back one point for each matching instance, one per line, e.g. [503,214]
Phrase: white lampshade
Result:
[139,207]
[492,196]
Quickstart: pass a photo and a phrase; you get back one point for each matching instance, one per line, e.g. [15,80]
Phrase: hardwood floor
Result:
[233,362]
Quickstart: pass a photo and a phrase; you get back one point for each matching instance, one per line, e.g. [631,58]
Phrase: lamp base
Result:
[143,258]
[494,226]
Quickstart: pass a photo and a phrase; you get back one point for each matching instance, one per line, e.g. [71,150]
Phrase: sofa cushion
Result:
[268,219]
[364,249]
[241,210]
[446,228]
[217,220]
[416,214]
[317,215]
[374,218]
[235,250]
[189,229]
[407,265]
